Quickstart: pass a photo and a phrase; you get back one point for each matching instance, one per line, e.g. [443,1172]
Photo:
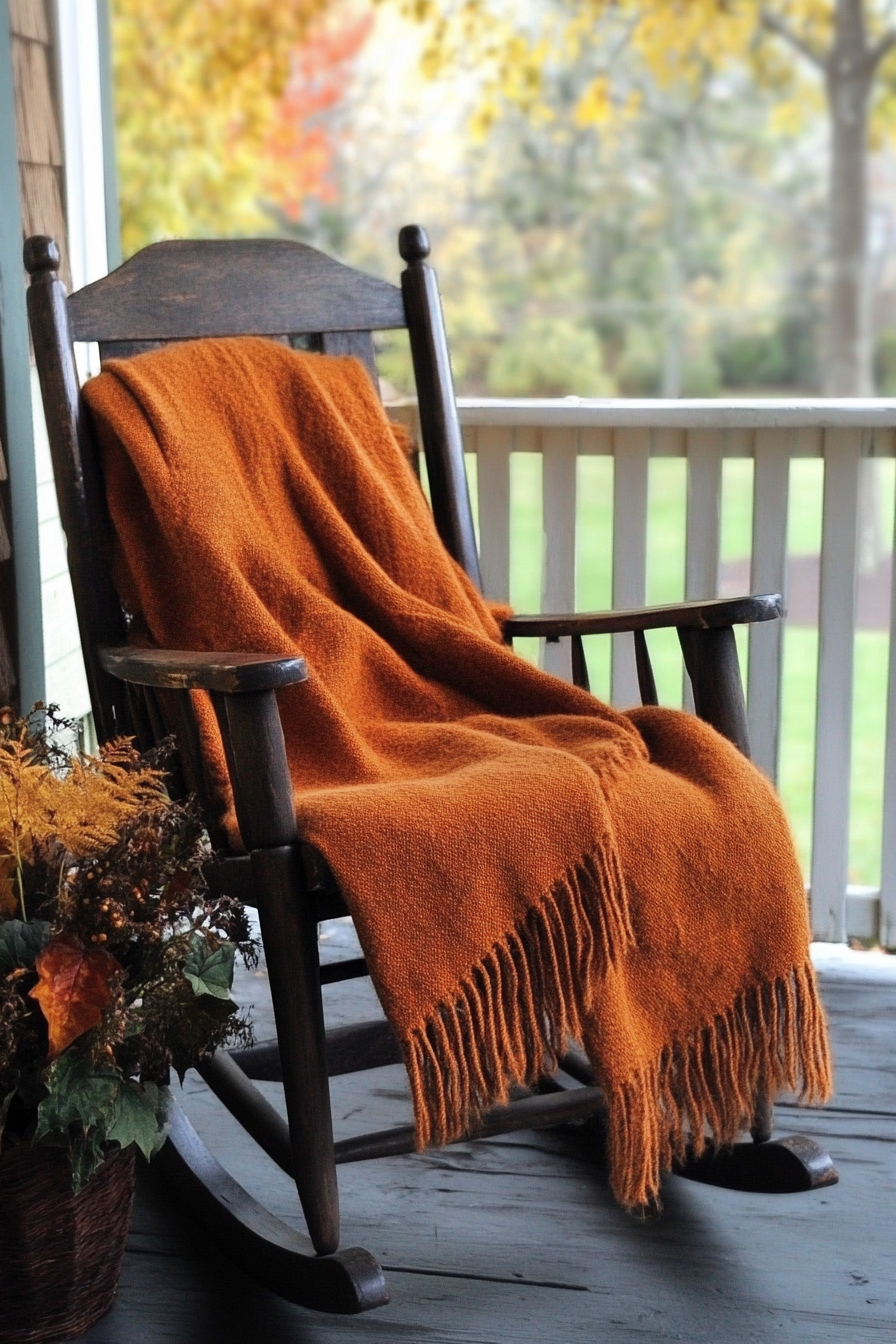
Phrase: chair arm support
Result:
[710,614]
[242,687]
[176,670]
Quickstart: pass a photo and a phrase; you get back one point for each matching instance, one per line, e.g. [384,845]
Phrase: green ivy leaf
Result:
[106,1108]
[140,1114]
[20,942]
[209,972]
[76,1096]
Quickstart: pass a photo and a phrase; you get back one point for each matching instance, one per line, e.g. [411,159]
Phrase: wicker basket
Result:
[60,1253]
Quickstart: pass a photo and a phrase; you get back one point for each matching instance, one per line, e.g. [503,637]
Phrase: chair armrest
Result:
[710,614]
[228,673]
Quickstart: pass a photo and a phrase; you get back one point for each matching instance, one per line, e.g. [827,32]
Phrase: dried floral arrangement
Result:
[116,962]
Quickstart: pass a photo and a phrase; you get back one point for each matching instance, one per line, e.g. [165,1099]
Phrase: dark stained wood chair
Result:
[287,291]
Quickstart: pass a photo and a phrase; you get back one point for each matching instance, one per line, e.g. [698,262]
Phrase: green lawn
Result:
[665,583]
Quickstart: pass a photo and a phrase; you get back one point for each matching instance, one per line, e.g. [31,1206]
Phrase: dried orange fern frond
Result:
[82,809]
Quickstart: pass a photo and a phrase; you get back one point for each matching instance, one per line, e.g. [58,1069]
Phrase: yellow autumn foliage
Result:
[677,42]
[81,809]
[196,89]
[197,82]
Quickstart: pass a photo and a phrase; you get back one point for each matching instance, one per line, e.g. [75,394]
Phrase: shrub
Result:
[885,364]
[754,359]
[639,372]
[700,376]
[548,357]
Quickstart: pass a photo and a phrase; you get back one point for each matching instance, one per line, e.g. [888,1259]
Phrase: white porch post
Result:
[17,392]
[82,130]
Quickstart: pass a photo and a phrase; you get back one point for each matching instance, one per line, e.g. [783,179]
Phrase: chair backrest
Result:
[186,289]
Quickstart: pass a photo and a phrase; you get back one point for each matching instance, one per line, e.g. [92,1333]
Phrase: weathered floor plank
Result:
[517,1239]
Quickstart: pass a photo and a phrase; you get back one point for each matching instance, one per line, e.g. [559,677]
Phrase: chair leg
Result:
[289,934]
[262,790]
[763,1123]
[786,1165]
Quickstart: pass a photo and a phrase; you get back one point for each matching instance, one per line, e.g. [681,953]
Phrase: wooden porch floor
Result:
[517,1239]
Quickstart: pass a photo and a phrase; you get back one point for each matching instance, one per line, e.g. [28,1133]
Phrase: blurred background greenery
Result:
[625,199]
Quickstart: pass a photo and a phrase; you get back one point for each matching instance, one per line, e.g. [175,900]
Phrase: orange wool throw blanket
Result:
[524,864]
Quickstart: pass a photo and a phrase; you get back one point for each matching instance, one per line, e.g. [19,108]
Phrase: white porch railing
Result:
[772,433]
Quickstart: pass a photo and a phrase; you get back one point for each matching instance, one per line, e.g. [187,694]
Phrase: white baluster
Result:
[768,574]
[559,448]
[701,570]
[630,478]
[888,855]
[833,738]
[493,445]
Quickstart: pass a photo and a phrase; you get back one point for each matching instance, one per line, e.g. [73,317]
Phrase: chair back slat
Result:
[127,349]
[186,289]
[357,343]
[298,340]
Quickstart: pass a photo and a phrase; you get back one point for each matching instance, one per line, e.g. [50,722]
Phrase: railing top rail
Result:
[743,413]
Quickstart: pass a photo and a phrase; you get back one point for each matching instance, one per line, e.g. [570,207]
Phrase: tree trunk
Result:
[849,355]
[848,78]
[673,354]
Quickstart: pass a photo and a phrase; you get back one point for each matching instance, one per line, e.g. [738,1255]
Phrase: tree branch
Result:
[773,23]
[882,47]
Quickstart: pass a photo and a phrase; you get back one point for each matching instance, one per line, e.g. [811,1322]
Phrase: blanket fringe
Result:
[519,1006]
[705,1088]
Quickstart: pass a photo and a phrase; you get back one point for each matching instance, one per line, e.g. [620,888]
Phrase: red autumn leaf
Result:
[73,989]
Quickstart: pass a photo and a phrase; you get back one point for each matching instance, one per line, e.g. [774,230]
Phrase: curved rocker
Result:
[761,1165]
[787,1166]
[268,1249]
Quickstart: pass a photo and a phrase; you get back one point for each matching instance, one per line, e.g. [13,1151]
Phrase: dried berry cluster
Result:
[115,960]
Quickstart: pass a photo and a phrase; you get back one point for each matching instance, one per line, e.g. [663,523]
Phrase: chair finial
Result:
[413,243]
[40,254]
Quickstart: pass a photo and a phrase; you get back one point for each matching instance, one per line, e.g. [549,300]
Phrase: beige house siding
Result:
[38,124]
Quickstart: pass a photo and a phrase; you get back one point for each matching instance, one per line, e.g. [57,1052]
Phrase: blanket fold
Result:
[524,865]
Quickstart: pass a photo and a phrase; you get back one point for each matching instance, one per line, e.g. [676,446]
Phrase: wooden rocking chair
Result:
[181,290]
